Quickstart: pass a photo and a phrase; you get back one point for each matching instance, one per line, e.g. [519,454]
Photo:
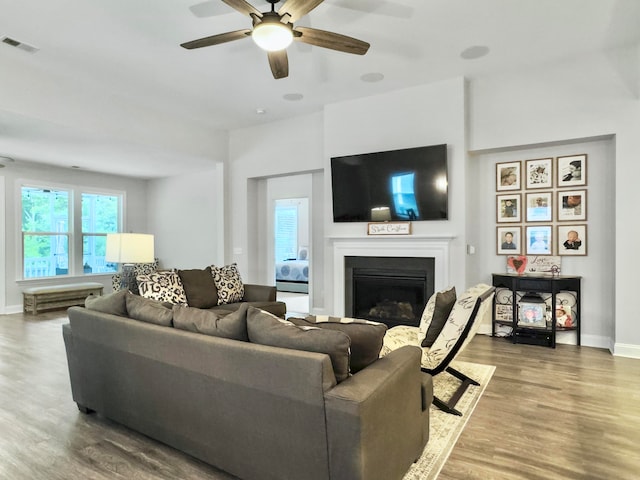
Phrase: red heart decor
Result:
[518,263]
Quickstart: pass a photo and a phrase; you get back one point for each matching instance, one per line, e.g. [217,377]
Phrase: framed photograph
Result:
[538,206]
[572,170]
[538,240]
[539,173]
[508,176]
[508,240]
[504,312]
[572,205]
[532,315]
[572,239]
[508,208]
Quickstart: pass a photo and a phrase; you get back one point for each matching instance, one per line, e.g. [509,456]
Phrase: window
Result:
[99,217]
[48,242]
[286,230]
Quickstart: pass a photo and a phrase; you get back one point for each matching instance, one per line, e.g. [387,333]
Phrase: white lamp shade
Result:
[129,248]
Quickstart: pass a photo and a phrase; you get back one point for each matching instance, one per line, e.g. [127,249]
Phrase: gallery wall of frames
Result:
[541,206]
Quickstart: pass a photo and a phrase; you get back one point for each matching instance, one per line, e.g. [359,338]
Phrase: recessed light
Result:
[476,51]
[372,77]
[260,111]
[293,97]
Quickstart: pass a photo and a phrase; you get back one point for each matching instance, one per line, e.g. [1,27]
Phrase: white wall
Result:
[186,214]
[281,148]
[597,268]
[136,219]
[587,98]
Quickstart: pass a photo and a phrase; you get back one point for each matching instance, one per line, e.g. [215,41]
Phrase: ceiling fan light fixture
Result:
[272,35]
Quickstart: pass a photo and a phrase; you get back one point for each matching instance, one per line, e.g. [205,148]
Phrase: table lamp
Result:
[129,249]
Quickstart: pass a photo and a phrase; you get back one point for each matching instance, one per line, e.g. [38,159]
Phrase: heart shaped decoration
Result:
[518,264]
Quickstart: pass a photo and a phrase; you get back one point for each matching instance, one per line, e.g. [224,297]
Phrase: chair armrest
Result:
[259,293]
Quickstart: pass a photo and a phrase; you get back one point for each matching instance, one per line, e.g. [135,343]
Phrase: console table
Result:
[511,292]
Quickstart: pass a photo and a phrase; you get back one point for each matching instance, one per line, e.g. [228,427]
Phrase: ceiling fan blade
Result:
[243,7]
[334,41]
[216,39]
[279,63]
[297,8]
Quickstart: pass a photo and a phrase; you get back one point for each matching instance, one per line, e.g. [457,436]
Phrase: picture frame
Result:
[539,173]
[572,239]
[539,206]
[508,176]
[572,205]
[571,170]
[389,228]
[532,315]
[508,208]
[504,312]
[508,240]
[539,239]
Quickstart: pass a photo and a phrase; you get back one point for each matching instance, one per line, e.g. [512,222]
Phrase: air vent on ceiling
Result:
[18,44]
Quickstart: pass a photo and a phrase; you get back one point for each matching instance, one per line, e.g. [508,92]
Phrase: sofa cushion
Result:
[199,287]
[267,329]
[113,303]
[218,323]
[162,286]
[366,336]
[148,310]
[228,283]
[438,310]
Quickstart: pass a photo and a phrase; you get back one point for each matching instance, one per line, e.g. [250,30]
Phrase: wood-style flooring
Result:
[568,413]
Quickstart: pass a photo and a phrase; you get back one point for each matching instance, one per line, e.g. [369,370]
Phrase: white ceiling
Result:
[110,89]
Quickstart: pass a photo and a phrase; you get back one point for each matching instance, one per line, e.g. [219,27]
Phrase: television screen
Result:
[409,184]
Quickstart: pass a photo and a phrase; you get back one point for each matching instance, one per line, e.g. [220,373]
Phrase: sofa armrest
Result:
[259,293]
[389,394]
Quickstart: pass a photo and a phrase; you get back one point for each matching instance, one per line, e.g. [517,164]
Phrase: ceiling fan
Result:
[274,31]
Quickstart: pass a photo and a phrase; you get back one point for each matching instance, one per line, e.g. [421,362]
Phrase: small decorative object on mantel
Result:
[389,228]
[544,265]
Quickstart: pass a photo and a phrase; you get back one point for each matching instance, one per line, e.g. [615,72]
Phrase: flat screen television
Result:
[408,184]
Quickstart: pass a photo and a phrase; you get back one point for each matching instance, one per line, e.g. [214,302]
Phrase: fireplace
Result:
[392,290]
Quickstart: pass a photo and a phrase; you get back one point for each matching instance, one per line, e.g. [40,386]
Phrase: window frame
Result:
[75,234]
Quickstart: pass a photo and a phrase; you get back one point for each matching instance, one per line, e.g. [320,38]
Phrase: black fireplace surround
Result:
[391,290]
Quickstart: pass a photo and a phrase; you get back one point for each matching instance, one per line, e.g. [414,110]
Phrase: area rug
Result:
[445,429]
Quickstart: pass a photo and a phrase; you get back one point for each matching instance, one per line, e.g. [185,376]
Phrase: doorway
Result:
[291,244]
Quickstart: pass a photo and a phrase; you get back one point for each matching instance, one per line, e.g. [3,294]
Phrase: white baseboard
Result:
[626,350]
[13,309]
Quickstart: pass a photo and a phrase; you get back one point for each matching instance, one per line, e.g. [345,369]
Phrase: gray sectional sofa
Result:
[257,411]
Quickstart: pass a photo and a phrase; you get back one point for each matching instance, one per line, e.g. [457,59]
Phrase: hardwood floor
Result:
[568,413]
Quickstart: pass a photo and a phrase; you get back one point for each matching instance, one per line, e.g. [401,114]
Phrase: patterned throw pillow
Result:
[162,286]
[228,283]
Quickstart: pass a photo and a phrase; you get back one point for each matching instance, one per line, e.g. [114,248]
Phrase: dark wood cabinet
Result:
[551,296]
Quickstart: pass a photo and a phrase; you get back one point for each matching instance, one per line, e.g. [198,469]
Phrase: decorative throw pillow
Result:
[366,336]
[147,310]
[215,323]
[228,283]
[454,333]
[267,329]
[113,303]
[162,286]
[442,305]
[199,287]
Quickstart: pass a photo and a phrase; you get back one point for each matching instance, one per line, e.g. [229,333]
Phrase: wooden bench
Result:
[36,299]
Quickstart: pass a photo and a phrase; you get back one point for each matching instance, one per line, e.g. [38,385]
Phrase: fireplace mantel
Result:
[433,246]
